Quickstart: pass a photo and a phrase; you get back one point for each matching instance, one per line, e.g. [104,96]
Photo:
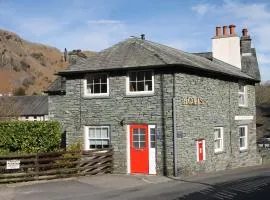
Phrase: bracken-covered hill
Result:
[28,65]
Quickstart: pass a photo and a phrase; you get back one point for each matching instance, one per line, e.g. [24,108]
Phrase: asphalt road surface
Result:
[246,184]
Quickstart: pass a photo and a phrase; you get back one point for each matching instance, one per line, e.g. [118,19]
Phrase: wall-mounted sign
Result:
[244,117]
[192,101]
[13,164]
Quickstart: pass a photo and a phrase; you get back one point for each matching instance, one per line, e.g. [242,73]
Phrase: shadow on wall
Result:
[248,188]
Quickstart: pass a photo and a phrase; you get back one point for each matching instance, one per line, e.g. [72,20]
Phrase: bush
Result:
[30,137]
[19,91]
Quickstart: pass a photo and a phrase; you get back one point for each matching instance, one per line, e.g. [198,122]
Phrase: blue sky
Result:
[97,24]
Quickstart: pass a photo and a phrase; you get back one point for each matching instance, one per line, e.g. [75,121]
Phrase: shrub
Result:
[30,137]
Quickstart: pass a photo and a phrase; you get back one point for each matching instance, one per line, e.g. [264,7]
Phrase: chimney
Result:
[245,43]
[232,30]
[226,47]
[218,32]
[225,31]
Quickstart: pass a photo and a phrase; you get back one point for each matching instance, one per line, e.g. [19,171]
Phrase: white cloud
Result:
[104,21]
[264,58]
[202,9]
[40,26]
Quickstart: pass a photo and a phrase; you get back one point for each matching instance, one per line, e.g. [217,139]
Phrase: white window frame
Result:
[244,94]
[87,94]
[128,92]
[221,139]
[245,137]
[87,138]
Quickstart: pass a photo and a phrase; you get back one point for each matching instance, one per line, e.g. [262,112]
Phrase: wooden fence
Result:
[45,166]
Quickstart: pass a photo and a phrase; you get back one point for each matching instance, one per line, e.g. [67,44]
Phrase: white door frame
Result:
[151,152]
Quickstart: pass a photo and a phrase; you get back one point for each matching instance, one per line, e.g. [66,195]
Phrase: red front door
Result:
[139,157]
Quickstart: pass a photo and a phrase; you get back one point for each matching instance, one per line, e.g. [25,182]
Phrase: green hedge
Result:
[29,137]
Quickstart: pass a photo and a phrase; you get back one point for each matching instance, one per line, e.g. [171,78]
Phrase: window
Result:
[242,137]
[139,140]
[97,137]
[218,134]
[96,85]
[140,82]
[152,137]
[242,95]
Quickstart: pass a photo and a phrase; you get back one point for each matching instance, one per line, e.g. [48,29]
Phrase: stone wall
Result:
[75,111]
[219,108]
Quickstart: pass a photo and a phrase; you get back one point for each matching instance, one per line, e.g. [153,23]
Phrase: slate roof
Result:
[27,105]
[249,63]
[137,53]
[58,86]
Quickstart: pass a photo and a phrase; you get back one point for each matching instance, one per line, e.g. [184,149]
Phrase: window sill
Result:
[220,152]
[105,96]
[143,94]
[243,106]
[243,150]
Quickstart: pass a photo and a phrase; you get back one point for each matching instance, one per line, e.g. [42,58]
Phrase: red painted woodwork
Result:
[200,150]
[139,153]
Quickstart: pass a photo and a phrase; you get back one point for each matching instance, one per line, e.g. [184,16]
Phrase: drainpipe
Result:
[175,172]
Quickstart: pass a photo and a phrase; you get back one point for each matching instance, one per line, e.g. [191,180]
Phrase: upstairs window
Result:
[243,130]
[96,85]
[140,82]
[218,135]
[242,93]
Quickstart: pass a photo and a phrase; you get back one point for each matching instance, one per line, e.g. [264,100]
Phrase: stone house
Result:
[164,111]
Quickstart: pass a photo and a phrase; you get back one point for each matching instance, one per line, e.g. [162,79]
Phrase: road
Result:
[251,183]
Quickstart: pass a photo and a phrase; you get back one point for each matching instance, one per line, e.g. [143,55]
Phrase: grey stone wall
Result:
[219,109]
[221,105]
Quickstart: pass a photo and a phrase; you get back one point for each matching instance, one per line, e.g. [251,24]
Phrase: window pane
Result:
[103,88]
[104,133]
[153,138]
[135,131]
[148,75]
[132,76]
[242,131]
[241,99]
[98,142]
[135,137]
[132,86]
[142,138]
[142,144]
[140,86]
[105,142]
[92,143]
[98,132]
[140,76]
[136,145]
[153,144]
[90,88]
[103,78]
[90,79]
[97,79]
[91,133]
[148,85]
[242,142]
[97,88]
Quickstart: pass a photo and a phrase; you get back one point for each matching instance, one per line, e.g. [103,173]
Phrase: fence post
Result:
[36,167]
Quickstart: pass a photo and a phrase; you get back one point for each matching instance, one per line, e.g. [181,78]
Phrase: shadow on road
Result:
[248,188]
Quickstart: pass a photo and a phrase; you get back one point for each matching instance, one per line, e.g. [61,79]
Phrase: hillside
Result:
[26,64]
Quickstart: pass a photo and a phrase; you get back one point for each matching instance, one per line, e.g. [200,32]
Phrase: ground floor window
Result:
[243,130]
[218,134]
[97,137]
